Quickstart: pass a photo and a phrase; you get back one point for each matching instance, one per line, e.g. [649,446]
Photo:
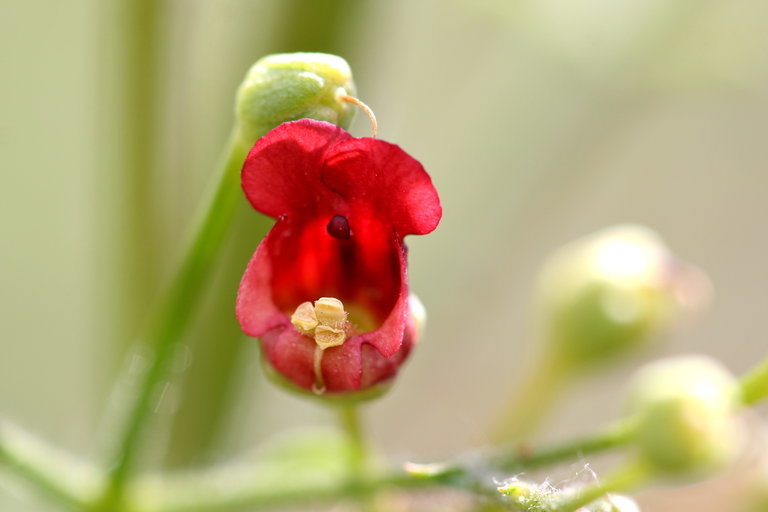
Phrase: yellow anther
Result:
[304,318]
[330,312]
[327,337]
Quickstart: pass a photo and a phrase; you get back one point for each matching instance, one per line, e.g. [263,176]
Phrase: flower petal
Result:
[389,336]
[255,309]
[281,175]
[383,180]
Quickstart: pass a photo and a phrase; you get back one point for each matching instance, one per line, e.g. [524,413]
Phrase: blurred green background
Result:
[539,120]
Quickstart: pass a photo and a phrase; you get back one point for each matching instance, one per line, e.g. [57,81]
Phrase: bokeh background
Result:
[539,120]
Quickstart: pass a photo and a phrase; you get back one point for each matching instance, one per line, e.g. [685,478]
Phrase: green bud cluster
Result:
[684,409]
[290,86]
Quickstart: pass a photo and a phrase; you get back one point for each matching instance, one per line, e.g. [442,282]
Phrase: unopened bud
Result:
[613,290]
[685,413]
[290,86]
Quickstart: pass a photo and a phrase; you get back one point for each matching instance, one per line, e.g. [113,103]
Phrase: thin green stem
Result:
[615,436]
[175,313]
[349,419]
[139,86]
[224,491]
[236,488]
[192,493]
[56,475]
[753,386]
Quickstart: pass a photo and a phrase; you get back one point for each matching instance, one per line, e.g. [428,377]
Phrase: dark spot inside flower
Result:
[338,227]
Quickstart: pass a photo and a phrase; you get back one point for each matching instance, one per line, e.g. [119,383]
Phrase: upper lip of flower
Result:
[343,206]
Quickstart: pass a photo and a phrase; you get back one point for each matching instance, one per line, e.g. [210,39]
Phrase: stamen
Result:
[366,109]
[326,323]
[318,387]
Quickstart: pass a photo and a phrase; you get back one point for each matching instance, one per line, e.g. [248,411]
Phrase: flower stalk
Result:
[357,455]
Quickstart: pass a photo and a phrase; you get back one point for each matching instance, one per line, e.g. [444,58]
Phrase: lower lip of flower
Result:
[328,324]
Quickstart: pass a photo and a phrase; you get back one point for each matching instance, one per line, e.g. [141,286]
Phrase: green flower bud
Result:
[684,408]
[289,86]
[611,291]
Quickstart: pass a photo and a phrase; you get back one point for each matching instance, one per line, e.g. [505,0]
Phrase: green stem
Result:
[223,491]
[615,436]
[234,488]
[349,419]
[754,385]
[175,313]
[461,476]
[61,478]
[139,87]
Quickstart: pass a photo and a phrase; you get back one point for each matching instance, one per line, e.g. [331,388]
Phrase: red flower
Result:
[343,206]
